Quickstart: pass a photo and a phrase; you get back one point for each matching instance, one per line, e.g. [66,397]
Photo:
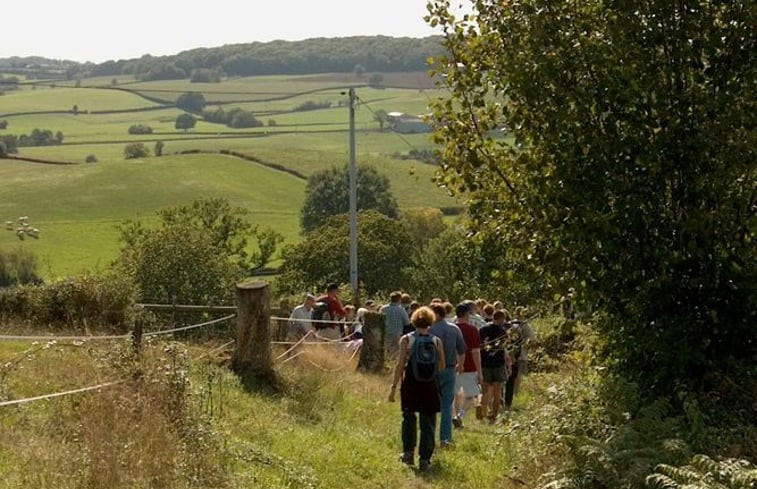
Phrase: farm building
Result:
[406,123]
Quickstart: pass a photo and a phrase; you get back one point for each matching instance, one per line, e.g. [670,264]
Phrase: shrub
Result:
[312,105]
[204,75]
[85,299]
[91,159]
[3,124]
[140,129]
[18,267]
[136,150]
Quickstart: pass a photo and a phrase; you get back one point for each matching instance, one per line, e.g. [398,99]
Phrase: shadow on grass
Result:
[268,383]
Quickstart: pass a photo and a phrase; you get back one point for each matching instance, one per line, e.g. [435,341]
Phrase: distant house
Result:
[407,124]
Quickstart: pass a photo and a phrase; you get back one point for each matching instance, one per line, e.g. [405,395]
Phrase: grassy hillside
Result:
[77,207]
[45,99]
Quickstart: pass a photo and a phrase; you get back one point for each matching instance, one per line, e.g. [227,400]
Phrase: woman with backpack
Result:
[419,361]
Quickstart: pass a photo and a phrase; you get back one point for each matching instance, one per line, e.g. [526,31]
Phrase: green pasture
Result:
[48,99]
[77,207]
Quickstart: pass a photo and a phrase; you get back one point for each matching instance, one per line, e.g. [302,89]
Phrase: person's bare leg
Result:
[494,399]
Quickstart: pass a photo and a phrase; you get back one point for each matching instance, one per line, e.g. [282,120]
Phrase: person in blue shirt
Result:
[454,355]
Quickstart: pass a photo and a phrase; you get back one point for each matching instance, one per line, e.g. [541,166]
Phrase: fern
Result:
[705,473]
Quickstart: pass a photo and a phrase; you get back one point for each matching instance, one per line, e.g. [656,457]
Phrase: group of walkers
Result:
[477,363]
[449,359]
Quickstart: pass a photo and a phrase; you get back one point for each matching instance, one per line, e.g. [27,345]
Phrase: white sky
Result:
[89,30]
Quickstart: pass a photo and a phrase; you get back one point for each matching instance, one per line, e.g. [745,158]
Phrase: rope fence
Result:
[16,402]
[111,337]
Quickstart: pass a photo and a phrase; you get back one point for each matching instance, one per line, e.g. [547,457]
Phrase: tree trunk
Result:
[252,356]
[372,354]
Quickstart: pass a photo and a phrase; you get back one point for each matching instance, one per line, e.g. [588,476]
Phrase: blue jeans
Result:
[447,391]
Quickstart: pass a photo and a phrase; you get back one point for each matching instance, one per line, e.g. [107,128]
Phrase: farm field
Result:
[77,207]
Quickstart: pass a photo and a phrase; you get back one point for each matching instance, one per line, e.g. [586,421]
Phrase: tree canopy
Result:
[323,256]
[327,194]
[628,170]
[321,55]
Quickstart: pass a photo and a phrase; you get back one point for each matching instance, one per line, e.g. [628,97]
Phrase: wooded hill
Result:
[319,55]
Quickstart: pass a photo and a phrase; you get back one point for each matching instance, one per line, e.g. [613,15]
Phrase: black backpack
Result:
[424,357]
[321,311]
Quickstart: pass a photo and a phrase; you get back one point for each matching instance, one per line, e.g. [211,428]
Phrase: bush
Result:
[191,102]
[204,75]
[90,159]
[136,150]
[323,256]
[312,105]
[9,144]
[236,118]
[18,267]
[3,124]
[140,129]
[86,299]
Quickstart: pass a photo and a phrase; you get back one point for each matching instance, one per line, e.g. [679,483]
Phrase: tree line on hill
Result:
[9,143]
[321,55]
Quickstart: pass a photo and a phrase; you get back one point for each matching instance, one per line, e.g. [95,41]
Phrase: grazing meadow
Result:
[77,207]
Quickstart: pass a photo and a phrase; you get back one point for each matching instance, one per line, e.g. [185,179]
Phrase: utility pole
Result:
[353,201]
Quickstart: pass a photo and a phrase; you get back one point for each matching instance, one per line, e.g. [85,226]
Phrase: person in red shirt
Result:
[469,377]
[335,311]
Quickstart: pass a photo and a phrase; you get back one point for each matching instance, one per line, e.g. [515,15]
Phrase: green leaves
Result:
[327,194]
[619,164]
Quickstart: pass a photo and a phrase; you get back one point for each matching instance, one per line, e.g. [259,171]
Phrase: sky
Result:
[85,30]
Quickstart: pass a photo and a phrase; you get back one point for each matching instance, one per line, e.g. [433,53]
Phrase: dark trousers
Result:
[410,433]
[510,385]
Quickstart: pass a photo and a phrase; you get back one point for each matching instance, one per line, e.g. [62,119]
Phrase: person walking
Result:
[395,320]
[470,380]
[493,364]
[300,319]
[520,336]
[454,356]
[419,361]
[332,306]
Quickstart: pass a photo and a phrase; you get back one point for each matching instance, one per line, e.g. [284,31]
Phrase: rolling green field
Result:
[77,207]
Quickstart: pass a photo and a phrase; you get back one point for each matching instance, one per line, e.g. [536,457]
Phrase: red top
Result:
[472,342]
[335,306]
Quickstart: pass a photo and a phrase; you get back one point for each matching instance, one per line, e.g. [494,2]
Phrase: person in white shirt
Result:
[300,320]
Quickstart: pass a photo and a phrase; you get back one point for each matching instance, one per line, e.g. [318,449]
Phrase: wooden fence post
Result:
[252,355]
[372,354]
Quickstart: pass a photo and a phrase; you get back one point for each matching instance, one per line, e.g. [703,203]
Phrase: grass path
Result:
[330,430]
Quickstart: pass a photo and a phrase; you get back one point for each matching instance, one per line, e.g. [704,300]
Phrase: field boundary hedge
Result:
[246,157]
[39,160]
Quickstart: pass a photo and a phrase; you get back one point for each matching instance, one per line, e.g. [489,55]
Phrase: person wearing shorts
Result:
[493,364]
[469,377]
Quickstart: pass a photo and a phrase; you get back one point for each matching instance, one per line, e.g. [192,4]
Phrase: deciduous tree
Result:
[628,172]
[327,194]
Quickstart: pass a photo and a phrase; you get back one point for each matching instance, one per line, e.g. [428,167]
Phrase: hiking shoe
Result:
[446,444]
[457,422]
[407,458]
[479,412]
[423,465]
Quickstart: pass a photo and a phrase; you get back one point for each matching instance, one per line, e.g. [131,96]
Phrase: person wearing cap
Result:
[335,311]
[300,320]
